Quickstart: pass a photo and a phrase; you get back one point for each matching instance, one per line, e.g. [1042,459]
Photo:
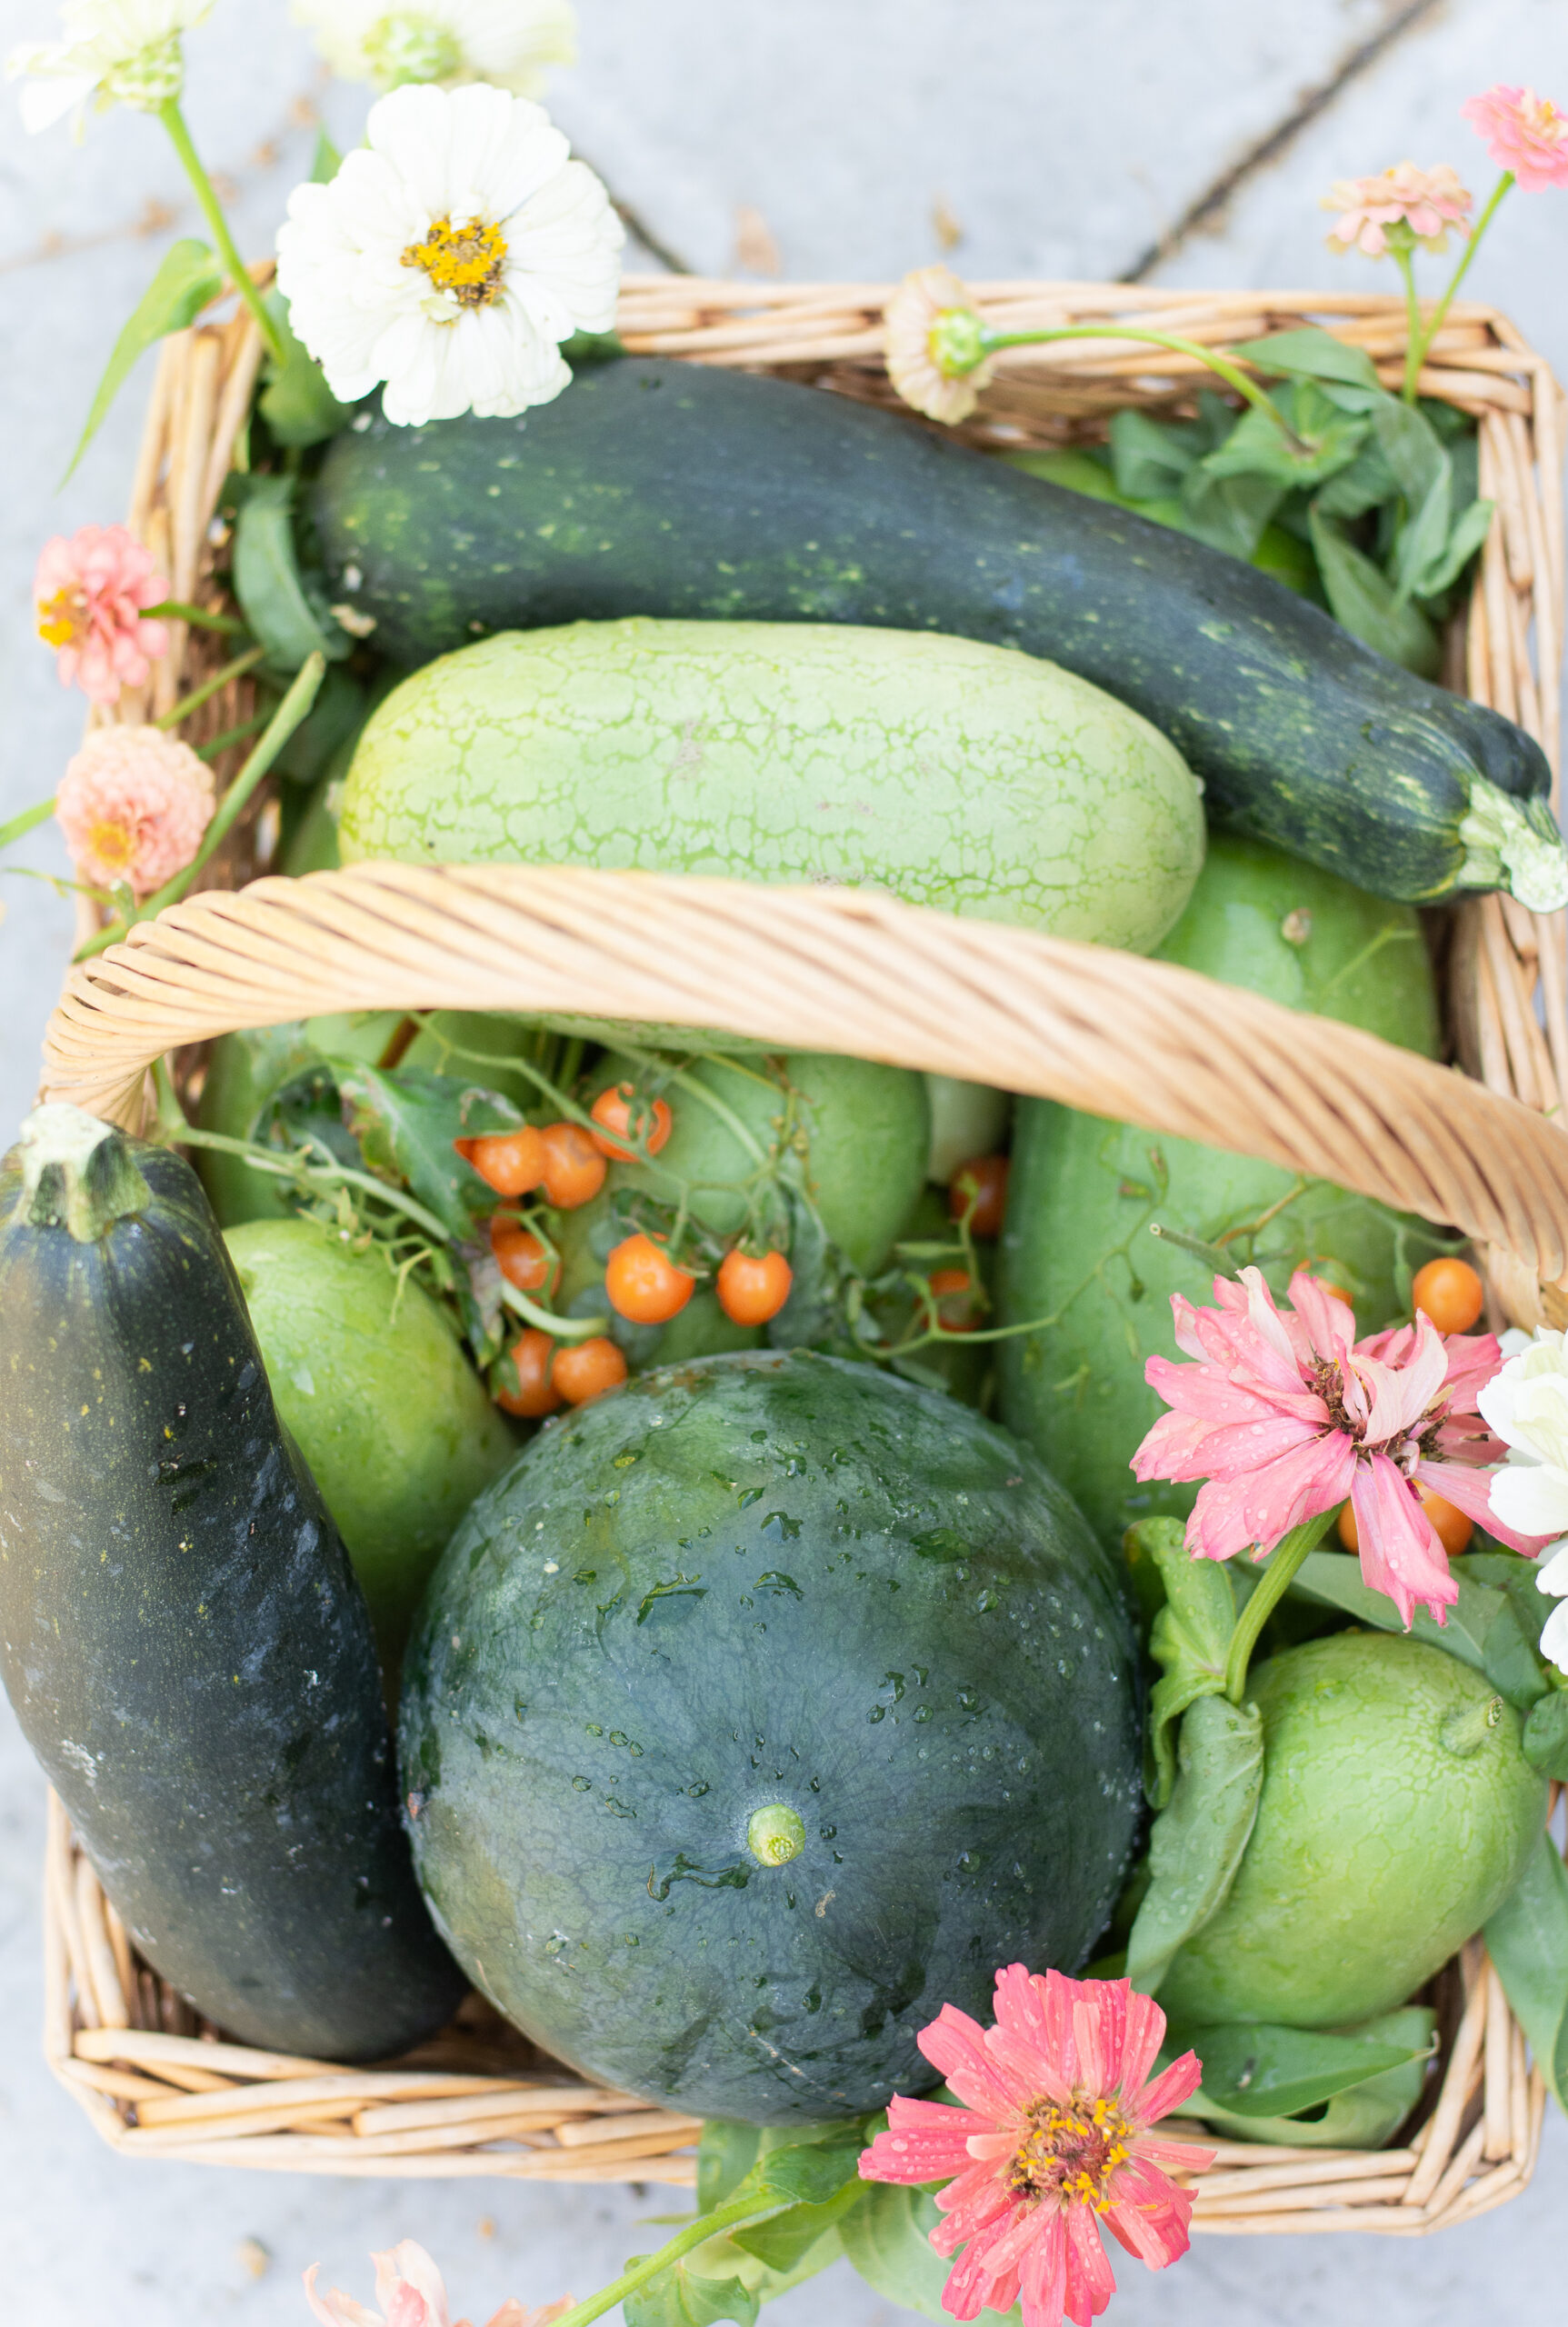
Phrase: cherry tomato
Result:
[574,1170]
[511,1162]
[521,1257]
[1453,1528]
[614,1109]
[753,1286]
[536,1393]
[1449,1293]
[584,1370]
[983,1183]
[953,1289]
[645,1284]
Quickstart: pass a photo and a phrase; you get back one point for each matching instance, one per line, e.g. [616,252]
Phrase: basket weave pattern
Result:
[850,971]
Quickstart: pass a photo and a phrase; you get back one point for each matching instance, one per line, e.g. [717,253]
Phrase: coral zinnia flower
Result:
[1429,202]
[89,592]
[933,345]
[1051,2140]
[411,2293]
[1284,1417]
[133,806]
[1525,134]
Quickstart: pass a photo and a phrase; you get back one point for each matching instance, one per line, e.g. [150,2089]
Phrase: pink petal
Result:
[1330,1323]
[407,2265]
[337,2309]
[1178,2083]
[1469,1491]
[920,2148]
[979,2197]
[1091,2282]
[1189,2157]
[1145,2033]
[1042,2280]
[1032,2037]
[956,2045]
[1149,2214]
[1401,1555]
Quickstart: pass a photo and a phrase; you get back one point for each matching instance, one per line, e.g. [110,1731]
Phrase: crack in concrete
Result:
[1274,142]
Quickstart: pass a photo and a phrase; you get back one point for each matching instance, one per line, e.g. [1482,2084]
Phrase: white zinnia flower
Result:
[124,51]
[450,257]
[508,43]
[1553,1580]
[1526,1404]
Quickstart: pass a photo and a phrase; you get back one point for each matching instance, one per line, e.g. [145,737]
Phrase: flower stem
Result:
[281,726]
[1277,1578]
[209,687]
[25,821]
[648,2266]
[177,610]
[1414,346]
[1440,312]
[1230,372]
[174,120]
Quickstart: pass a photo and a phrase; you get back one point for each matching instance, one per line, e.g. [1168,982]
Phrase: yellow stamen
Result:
[466,261]
[60,618]
[113,845]
[1070,2150]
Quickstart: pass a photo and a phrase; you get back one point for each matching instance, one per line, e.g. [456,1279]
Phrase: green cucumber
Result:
[957,775]
[1077,1252]
[658,487]
[764,1707]
[372,1382]
[181,1634]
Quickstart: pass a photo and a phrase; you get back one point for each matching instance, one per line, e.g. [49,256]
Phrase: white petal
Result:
[1554,1638]
[1530,1497]
[1552,1575]
[43,102]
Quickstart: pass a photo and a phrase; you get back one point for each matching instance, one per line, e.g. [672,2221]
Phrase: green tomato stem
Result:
[209,687]
[1440,312]
[560,1329]
[212,210]
[1228,371]
[1277,1578]
[178,1132]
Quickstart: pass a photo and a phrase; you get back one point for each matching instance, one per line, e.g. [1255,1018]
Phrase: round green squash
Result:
[972,778]
[1076,1251]
[765,1706]
[1397,1812]
[373,1382]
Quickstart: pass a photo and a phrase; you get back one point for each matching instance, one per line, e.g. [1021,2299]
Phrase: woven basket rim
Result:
[1478,2146]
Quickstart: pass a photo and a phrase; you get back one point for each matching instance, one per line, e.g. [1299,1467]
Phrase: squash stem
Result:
[1277,1579]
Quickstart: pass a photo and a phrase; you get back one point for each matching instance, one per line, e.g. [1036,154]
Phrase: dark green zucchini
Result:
[656,487]
[180,1632]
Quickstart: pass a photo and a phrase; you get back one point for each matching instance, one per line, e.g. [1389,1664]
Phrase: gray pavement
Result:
[851,141]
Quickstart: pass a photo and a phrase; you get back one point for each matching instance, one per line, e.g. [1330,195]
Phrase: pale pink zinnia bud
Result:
[1525,134]
[933,345]
[1429,202]
[412,2293]
[90,591]
[133,806]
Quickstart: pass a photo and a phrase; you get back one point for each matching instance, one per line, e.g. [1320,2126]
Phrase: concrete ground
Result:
[1184,142]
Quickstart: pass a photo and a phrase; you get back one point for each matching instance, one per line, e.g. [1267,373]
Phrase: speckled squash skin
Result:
[658,487]
[185,1645]
[1378,1849]
[954,775]
[762,1579]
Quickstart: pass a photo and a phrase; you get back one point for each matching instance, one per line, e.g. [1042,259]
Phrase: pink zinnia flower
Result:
[90,591]
[1525,134]
[1284,1417]
[409,2289]
[1051,2140]
[1429,202]
[133,806]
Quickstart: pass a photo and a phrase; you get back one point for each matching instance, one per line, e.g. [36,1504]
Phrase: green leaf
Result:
[1363,2118]
[1258,447]
[283,612]
[1258,2070]
[296,403]
[405,1123]
[189,277]
[1189,1637]
[327,161]
[1363,599]
[1409,445]
[1470,530]
[785,2242]
[1151,461]
[1312,354]
[1366,485]
[1527,1939]
[678,2297]
[1545,1739]
[1196,1843]
[1483,1629]
[726,2155]
[1228,511]
[887,2237]
[810,2173]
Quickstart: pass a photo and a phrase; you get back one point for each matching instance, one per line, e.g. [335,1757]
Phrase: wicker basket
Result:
[850,971]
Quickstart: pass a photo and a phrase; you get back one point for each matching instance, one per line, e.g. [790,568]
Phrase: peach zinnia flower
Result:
[1429,202]
[411,2293]
[1051,2140]
[931,327]
[1284,1417]
[133,806]
[1525,134]
[90,591]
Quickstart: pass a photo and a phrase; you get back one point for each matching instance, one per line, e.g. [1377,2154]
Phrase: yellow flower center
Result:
[62,618]
[1072,2152]
[113,847]
[465,261]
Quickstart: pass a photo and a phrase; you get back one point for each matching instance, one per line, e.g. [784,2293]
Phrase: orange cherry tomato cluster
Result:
[978,1191]
[1451,1294]
[1452,1528]
[561,1159]
[551,1374]
[621,1115]
[643,1285]
[753,1287]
